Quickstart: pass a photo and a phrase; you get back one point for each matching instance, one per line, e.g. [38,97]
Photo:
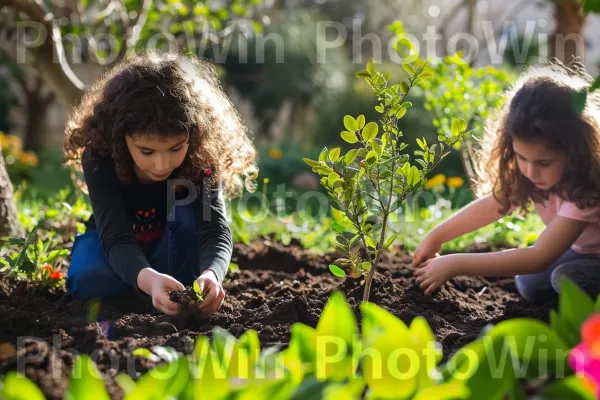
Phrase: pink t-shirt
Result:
[589,240]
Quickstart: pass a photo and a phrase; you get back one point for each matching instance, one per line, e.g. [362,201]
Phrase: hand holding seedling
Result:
[158,286]
[211,291]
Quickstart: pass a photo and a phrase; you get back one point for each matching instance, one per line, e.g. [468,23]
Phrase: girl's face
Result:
[543,166]
[155,157]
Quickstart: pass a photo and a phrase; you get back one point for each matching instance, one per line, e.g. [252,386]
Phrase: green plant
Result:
[198,292]
[371,182]
[457,89]
[32,257]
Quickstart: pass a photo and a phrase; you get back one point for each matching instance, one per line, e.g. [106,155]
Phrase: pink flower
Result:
[585,358]
[208,172]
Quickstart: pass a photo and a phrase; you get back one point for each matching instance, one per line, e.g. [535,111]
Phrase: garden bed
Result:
[274,287]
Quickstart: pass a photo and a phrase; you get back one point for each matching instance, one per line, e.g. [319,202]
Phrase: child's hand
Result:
[213,292]
[161,285]
[429,248]
[434,273]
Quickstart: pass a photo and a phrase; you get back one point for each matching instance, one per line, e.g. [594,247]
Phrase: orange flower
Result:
[275,153]
[56,275]
[48,268]
[29,158]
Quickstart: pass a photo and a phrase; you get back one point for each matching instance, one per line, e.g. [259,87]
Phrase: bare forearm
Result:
[473,216]
[144,280]
[500,263]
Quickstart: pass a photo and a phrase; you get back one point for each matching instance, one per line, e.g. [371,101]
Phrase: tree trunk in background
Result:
[38,104]
[9,220]
[568,40]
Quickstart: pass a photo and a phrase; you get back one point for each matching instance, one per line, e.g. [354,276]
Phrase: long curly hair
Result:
[544,104]
[164,94]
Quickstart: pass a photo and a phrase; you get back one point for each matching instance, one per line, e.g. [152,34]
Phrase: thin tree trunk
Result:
[9,220]
[37,105]
[568,41]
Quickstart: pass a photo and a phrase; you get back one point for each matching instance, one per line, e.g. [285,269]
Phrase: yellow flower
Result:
[437,180]
[29,158]
[275,153]
[14,143]
[3,140]
[530,239]
[455,182]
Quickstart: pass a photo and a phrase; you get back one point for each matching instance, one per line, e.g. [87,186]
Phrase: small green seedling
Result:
[198,291]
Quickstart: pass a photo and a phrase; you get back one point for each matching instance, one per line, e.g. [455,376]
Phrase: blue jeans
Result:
[581,269]
[175,254]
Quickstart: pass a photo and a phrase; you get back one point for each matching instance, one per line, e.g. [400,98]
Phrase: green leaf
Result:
[407,104]
[337,326]
[371,65]
[338,227]
[390,240]
[458,126]
[19,387]
[323,154]
[337,271]
[365,265]
[591,6]
[86,382]
[445,391]
[388,337]
[144,352]
[579,100]
[349,137]
[334,154]
[401,113]
[413,176]
[350,123]
[361,121]
[426,344]
[351,156]
[379,109]
[570,388]
[197,288]
[376,147]
[408,68]
[310,162]
[51,213]
[404,88]
[522,346]
[363,74]
[596,85]
[372,157]
[125,382]
[574,305]
[370,242]
[370,131]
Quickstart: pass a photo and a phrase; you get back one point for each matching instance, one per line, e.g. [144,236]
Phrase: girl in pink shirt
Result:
[543,150]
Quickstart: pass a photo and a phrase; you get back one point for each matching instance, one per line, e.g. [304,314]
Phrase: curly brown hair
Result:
[541,105]
[165,94]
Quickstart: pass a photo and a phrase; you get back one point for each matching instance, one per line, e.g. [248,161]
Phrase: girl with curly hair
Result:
[159,145]
[542,150]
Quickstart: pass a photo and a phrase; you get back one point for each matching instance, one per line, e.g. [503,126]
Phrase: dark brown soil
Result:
[42,330]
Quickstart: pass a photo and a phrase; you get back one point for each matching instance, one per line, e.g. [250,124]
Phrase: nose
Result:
[531,172]
[162,164]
